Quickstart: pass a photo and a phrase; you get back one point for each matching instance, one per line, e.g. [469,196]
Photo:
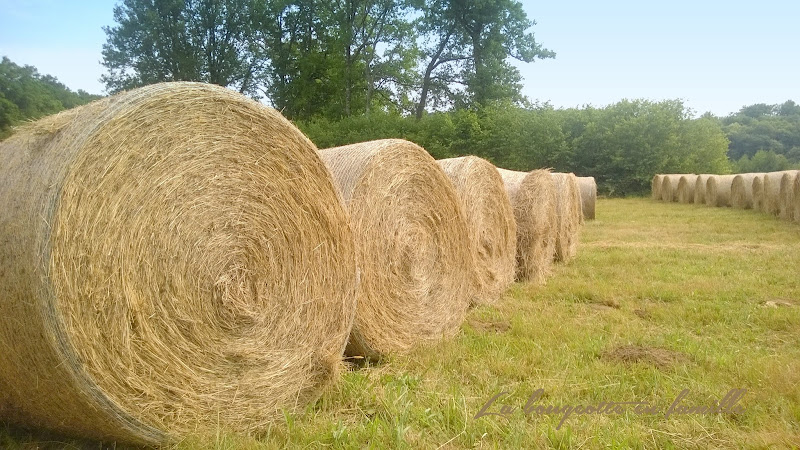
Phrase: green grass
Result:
[661,298]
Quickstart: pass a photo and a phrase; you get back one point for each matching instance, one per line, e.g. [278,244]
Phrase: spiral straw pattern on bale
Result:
[533,198]
[655,186]
[786,195]
[759,198]
[174,260]
[568,211]
[796,199]
[412,244]
[772,192]
[490,218]
[685,190]
[742,190]
[718,190]
[588,190]
[669,187]
[700,189]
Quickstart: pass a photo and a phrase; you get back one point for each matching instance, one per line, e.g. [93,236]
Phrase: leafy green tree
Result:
[762,161]
[180,40]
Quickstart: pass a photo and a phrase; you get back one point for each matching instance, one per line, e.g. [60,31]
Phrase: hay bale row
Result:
[669,187]
[172,259]
[588,189]
[700,189]
[742,190]
[786,197]
[685,192]
[533,199]
[718,190]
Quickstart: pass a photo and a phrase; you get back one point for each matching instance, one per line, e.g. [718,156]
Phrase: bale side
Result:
[413,246]
[796,197]
[759,199]
[568,211]
[700,189]
[490,217]
[533,198]
[718,190]
[588,190]
[655,186]
[786,195]
[669,187]
[742,190]
[685,190]
[772,189]
[173,259]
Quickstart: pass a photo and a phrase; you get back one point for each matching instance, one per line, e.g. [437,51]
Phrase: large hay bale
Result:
[568,211]
[588,191]
[685,190]
[772,189]
[786,195]
[533,198]
[412,244]
[700,189]
[742,190]
[173,260]
[796,199]
[490,218]
[655,186]
[669,187]
[718,190]
[759,199]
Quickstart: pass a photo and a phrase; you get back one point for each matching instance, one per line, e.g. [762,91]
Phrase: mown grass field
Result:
[661,298]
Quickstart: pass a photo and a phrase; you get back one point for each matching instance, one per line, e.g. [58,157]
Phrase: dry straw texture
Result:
[669,187]
[718,190]
[655,186]
[568,211]
[533,198]
[742,190]
[786,195]
[490,218]
[796,199]
[772,191]
[588,189]
[700,189]
[412,242]
[174,259]
[685,190]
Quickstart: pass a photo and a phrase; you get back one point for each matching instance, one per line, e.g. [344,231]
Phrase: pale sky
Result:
[715,55]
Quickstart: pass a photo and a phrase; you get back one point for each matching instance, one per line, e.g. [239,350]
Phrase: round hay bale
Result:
[718,190]
[174,259]
[669,187]
[412,243]
[655,186]
[533,198]
[700,189]
[685,190]
[568,211]
[772,189]
[742,190]
[490,218]
[588,190]
[786,195]
[796,199]
[759,199]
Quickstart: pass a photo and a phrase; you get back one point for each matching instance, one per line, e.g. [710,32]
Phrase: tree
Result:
[180,40]
[469,44]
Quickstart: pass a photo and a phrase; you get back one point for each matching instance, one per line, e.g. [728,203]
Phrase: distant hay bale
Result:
[669,187]
[796,199]
[490,218]
[568,211]
[786,195]
[174,259]
[742,190]
[685,190]
[655,186]
[700,189]
[759,199]
[588,190]
[718,190]
[533,198]
[772,189]
[412,244]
